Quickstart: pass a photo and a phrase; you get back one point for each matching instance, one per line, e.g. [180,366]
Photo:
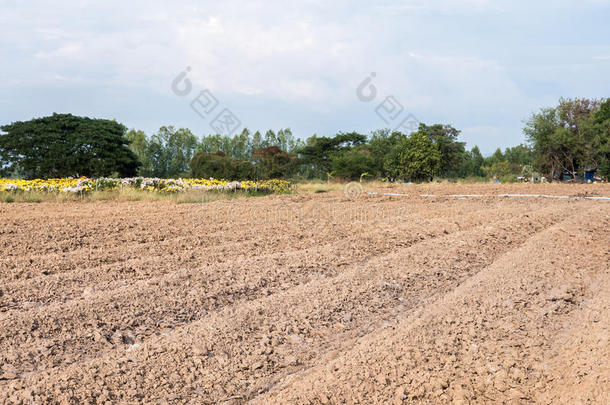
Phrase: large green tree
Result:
[379,145]
[64,145]
[453,153]
[596,153]
[415,157]
[318,153]
[566,137]
[476,161]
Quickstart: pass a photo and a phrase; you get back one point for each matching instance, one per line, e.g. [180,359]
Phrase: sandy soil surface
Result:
[310,299]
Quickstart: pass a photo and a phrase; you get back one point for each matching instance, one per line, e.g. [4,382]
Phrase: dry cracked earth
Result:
[309,299]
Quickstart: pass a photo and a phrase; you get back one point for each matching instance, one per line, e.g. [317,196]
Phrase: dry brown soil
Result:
[309,299]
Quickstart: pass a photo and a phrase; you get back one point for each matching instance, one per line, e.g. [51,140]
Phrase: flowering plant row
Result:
[84,185]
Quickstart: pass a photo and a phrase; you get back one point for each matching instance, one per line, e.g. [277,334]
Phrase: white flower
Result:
[75,189]
[234,185]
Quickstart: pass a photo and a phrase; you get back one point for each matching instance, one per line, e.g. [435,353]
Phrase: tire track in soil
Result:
[44,290]
[210,345]
[138,310]
[487,340]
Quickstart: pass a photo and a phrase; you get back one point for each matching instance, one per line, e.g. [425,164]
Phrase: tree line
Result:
[432,151]
[569,138]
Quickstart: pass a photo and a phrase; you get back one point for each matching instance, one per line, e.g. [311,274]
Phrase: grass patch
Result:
[318,186]
[308,187]
[194,197]
[23,197]
[473,179]
[127,194]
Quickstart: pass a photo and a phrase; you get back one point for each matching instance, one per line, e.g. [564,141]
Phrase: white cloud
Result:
[476,63]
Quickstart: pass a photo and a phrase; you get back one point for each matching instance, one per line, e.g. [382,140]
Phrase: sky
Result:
[313,66]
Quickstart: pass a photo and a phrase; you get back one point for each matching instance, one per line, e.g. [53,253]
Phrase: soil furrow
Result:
[486,341]
[229,360]
[186,296]
[376,238]
[308,299]
[117,242]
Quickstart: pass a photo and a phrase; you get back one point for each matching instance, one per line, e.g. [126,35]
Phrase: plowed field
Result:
[309,299]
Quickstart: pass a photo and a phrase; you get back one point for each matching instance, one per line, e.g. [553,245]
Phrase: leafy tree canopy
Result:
[415,157]
[64,145]
[570,137]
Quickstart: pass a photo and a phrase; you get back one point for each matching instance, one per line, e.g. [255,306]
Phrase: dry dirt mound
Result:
[307,299]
